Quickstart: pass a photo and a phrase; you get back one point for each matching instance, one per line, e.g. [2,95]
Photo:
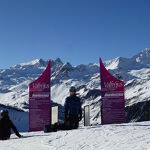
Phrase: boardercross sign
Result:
[39,101]
[112,94]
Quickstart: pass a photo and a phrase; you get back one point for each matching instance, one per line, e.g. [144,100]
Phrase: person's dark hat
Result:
[72,89]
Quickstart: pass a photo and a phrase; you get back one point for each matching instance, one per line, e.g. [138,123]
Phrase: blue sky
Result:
[78,31]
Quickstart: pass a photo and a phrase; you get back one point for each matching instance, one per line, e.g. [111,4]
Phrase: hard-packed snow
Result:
[132,136]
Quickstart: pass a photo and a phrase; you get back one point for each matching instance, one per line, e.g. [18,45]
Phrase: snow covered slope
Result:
[132,136]
[135,71]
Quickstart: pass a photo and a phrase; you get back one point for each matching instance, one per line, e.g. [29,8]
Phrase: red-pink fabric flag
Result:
[112,94]
[39,101]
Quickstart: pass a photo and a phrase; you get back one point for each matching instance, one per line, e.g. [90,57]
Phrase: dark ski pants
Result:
[72,123]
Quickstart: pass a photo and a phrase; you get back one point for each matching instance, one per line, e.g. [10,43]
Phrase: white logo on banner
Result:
[112,84]
[40,86]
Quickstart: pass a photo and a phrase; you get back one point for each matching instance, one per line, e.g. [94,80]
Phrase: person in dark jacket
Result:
[73,110]
[6,125]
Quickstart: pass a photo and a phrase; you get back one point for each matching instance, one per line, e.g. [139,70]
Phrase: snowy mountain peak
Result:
[67,66]
[58,61]
[143,57]
[139,61]
[33,62]
[146,50]
[117,63]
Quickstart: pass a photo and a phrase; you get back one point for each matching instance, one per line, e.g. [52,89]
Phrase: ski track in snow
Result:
[133,136]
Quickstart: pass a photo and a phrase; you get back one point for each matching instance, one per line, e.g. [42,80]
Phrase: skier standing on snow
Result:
[73,111]
[6,125]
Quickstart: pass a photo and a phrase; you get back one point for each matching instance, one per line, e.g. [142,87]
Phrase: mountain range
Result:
[134,71]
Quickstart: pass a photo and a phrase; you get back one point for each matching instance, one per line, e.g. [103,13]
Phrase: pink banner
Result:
[39,101]
[112,93]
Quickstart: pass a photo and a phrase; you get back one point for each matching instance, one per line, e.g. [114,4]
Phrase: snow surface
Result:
[132,136]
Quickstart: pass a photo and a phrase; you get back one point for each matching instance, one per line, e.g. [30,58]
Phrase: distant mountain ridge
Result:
[138,61]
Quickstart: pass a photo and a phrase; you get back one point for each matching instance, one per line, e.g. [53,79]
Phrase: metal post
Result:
[54,114]
[87,115]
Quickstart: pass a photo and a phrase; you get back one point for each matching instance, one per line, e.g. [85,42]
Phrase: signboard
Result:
[112,93]
[39,101]
[87,115]
[54,116]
